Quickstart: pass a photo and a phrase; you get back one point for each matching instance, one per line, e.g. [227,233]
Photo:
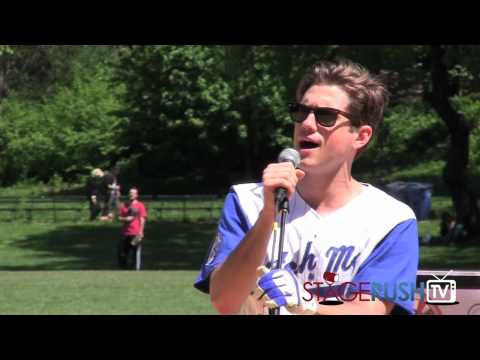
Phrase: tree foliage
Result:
[204,117]
[64,133]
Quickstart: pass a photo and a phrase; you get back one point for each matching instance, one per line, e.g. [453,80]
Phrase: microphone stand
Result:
[284,209]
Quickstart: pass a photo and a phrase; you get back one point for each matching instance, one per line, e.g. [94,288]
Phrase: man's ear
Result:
[364,135]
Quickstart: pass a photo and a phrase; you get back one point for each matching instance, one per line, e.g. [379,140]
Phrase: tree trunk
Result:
[455,174]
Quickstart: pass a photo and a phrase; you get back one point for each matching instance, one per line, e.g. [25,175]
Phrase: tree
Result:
[178,107]
[225,105]
[36,71]
[260,102]
[66,132]
[456,174]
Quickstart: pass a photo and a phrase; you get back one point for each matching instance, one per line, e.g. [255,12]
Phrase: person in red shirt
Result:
[133,215]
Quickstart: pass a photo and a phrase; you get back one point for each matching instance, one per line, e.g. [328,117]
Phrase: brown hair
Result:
[368,94]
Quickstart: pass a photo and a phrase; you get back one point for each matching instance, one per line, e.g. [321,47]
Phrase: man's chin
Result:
[312,166]
[308,164]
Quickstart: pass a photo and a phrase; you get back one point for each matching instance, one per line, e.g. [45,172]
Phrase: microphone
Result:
[281,199]
[281,194]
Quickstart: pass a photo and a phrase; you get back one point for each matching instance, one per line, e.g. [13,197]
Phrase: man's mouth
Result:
[308,145]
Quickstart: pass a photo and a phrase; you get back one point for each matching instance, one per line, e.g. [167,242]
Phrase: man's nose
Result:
[310,123]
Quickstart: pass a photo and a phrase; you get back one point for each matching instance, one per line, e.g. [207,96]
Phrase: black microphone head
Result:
[290,155]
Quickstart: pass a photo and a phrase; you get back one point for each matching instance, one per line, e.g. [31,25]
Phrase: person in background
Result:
[133,215]
[94,193]
[111,189]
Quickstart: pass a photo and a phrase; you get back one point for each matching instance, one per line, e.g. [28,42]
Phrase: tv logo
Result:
[441,291]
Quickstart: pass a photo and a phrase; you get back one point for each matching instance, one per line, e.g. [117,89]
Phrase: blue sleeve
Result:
[232,228]
[390,272]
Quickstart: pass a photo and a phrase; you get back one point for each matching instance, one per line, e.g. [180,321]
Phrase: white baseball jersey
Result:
[373,238]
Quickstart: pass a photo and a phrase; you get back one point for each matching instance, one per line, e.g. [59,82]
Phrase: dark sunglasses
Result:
[325,116]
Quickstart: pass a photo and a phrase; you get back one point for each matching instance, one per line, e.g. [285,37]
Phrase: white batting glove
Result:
[281,288]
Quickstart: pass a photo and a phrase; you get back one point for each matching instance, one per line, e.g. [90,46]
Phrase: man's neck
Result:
[327,193]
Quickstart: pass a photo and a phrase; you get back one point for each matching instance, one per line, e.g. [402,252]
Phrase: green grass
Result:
[173,254]
[168,246]
[450,257]
[102,293]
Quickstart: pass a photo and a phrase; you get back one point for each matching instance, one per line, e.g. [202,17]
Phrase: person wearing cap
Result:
[94,194]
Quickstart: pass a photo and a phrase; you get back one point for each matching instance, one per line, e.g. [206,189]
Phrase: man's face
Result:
[322,148]
[133,194]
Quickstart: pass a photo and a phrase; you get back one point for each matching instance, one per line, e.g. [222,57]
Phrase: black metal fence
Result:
[181,208]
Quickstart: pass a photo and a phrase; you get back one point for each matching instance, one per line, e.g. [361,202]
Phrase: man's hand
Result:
[137,240]
[281,288]
[282,175]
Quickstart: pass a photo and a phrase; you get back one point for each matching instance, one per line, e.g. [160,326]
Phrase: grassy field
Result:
[168,246]
[101,293]
[173,254]
[79,269]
